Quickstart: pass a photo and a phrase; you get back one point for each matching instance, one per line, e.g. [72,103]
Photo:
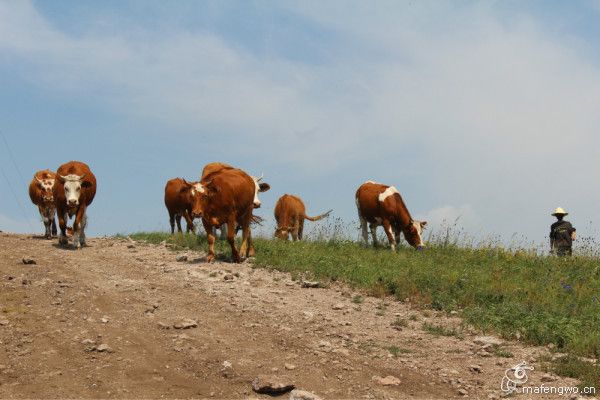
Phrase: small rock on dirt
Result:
[303,395]
[185,324]
[227,369]
[475,368]
[29,261]
[182,258]
[228,277]
[387,381]
[310,284]
[463,392]
[487,340]
[338,306]
[289,366]
[272,385]
[3,322]
[104,348]
[548,378]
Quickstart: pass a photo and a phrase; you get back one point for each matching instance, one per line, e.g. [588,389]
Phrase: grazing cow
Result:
[380,204]
[180,196]
[74,191]
[229,198]
[41,194]
[290,214]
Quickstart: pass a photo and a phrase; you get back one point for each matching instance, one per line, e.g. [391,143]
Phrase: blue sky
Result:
[483,110]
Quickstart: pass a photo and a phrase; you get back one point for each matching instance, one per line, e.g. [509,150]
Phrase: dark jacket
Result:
[560,234]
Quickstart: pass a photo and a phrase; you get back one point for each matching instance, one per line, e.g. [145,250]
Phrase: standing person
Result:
[562,234]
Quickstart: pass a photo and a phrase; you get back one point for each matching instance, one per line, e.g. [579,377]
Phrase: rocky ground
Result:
[120,319]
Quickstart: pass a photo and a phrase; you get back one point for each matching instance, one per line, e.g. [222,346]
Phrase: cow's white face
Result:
[259,187]
[46,185]
[72,189]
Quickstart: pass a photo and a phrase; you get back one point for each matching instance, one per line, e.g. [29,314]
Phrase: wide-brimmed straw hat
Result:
[559,211]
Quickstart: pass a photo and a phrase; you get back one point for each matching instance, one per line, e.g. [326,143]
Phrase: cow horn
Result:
[81,177]
[260,178]
[38,179]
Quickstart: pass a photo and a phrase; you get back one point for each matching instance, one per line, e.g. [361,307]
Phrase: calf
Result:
[41,194]
[290,214]
[180,196]
[74,191]
[380,204]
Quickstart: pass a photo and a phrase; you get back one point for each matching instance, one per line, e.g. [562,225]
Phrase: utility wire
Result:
[9,184]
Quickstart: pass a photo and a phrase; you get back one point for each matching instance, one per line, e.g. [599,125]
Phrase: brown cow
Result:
[380,204]
[214,167]
[180,196]
[229,198]
[290,214]
[41,194]
[74,191]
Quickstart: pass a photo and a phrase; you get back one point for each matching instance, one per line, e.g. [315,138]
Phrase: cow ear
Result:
[263,187]
[86,184]
[423,223]
[184,189]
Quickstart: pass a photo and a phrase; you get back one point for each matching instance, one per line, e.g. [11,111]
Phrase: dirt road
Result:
[99,323]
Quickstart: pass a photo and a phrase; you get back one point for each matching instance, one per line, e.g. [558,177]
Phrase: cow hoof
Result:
[237,259]
[210,258]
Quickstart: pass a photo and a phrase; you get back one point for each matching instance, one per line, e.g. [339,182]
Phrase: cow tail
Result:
[318,217]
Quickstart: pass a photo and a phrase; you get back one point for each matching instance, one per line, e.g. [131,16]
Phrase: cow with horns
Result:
[380,204]
[41,194]
[230,196]
[74,191]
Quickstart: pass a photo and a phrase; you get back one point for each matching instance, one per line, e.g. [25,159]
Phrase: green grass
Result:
[515,294]
[439,330]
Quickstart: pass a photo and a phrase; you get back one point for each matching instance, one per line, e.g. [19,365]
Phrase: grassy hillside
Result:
[537,299]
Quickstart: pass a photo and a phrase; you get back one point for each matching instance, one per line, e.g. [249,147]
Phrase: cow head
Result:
[195,193]
[46,186]
[413,233]
[259,187]
[73,184]
[282,233]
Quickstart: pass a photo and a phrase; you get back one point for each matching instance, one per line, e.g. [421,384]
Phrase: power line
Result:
[8,181]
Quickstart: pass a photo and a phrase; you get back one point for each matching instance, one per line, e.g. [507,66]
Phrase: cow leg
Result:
[397,233]
[223,232]
[178,220]
[295,229]
[44,214]
[78,227]
[53,223]
[365,232]
[82,230]
[189,221]
[235,255]
[390,234]
[373,228]
[301,229]
[62,224]
[172,222]
[210,236]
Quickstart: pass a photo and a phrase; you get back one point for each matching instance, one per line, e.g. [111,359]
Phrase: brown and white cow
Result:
[380,204]
[290,214]
[229,198]
[214,167]
[41,194]
[74,191]
[180,196]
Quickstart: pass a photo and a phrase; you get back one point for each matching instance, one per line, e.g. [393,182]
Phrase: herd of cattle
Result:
[224,198]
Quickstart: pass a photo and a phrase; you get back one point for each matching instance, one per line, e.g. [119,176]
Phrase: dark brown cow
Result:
[41,194]
[229,198]
[180,196]
[290,214]
[74,191]
[380,204]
